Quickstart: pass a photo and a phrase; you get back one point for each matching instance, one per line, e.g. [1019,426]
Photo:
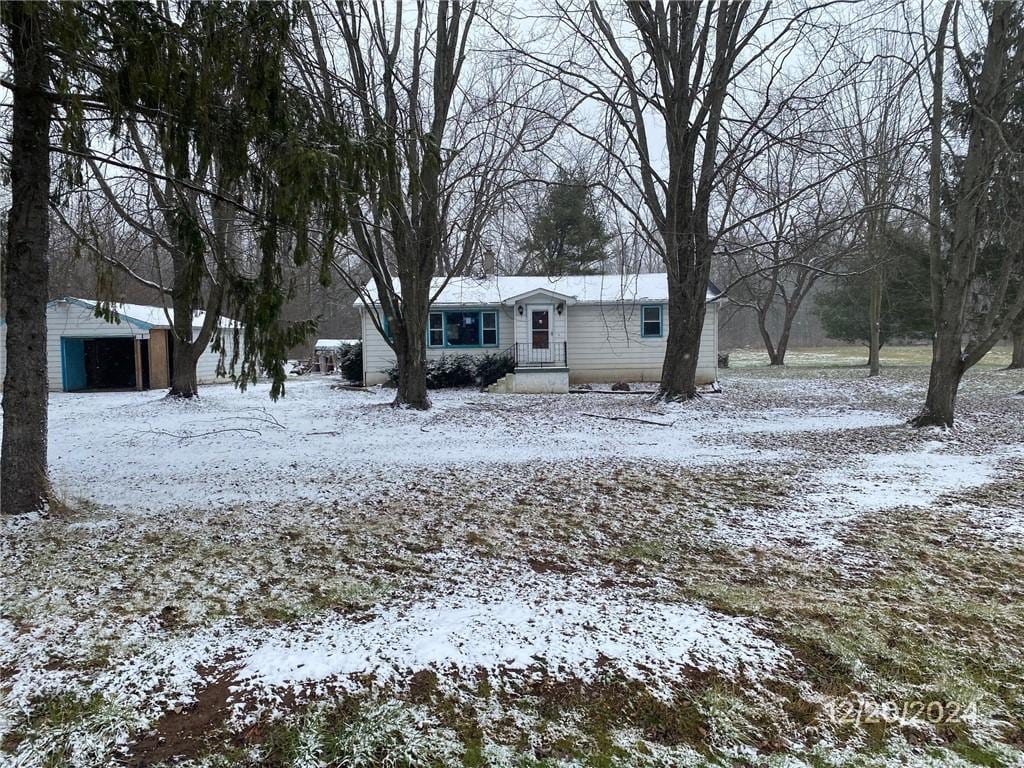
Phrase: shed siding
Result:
[604,344]
[206,367]
[159,356]
[66,319]
[74,320]
[378,356]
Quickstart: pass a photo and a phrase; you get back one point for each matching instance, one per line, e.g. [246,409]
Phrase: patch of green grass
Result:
[68,729]
[992,756]
[939,622]
[648,550]
[612,703]
[63,710]
[358,733]
[853,355]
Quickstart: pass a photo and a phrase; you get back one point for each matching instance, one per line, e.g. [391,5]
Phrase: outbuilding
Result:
[88,353]
[327,353]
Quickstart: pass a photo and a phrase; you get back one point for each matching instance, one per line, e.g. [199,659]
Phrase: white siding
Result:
[378,356]
[74,320]
[206,367]
[604,344]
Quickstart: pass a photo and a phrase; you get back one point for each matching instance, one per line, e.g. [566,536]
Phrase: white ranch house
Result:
[87,353]
[559,330]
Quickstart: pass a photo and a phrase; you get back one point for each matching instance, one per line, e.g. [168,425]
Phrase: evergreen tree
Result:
[185,81]
[905,305]
[40,39]
[231,169]
[566,234]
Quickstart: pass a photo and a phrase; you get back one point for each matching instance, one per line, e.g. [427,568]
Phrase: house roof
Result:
[326,344]
[581,289]
[148,316]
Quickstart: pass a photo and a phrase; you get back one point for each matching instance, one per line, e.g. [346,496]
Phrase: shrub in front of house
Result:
[350,362]
[462,370]
[451,371]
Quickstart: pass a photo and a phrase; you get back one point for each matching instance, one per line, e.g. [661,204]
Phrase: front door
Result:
[72,363]
[541,344]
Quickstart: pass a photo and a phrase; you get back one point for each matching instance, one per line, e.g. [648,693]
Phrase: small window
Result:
[387,327]
[650,320]
[462,329]
[435,334]
[489,324]
[540,328]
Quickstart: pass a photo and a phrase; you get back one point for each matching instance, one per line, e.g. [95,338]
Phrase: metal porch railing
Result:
[555,355]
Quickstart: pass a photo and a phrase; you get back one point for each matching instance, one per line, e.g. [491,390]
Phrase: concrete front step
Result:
[533,381]
[503,386]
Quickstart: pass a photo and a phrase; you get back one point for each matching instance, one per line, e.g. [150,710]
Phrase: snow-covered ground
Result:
[233,564]
[321,445]
[318,445]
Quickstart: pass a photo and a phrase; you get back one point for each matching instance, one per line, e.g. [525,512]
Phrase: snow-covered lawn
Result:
[320,445]
[523,580]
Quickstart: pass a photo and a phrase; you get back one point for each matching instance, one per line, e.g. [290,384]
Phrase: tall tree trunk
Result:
[682,346]
[1017,360]
[787,330]
[688,262]
[875,324]
[188,347]
[954,268]
[945,374]
[411,354]
[184,381]
[25,486]
[766,338]
[944,381]
[410,339]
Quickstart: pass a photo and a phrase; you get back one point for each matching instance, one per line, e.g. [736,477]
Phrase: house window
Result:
[435,334]
[489,324]
[463,329]
[650,320]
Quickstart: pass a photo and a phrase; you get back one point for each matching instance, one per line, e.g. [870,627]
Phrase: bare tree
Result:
[777,258]
[877,132]
[188,233]
[679,68]
[1017,341]
[450,130]
[991,84]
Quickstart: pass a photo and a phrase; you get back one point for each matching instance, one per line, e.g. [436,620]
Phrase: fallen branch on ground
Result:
[629,418]
[612,392]
[183,436]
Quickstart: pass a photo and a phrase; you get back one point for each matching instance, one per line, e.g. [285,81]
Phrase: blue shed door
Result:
[72,363]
